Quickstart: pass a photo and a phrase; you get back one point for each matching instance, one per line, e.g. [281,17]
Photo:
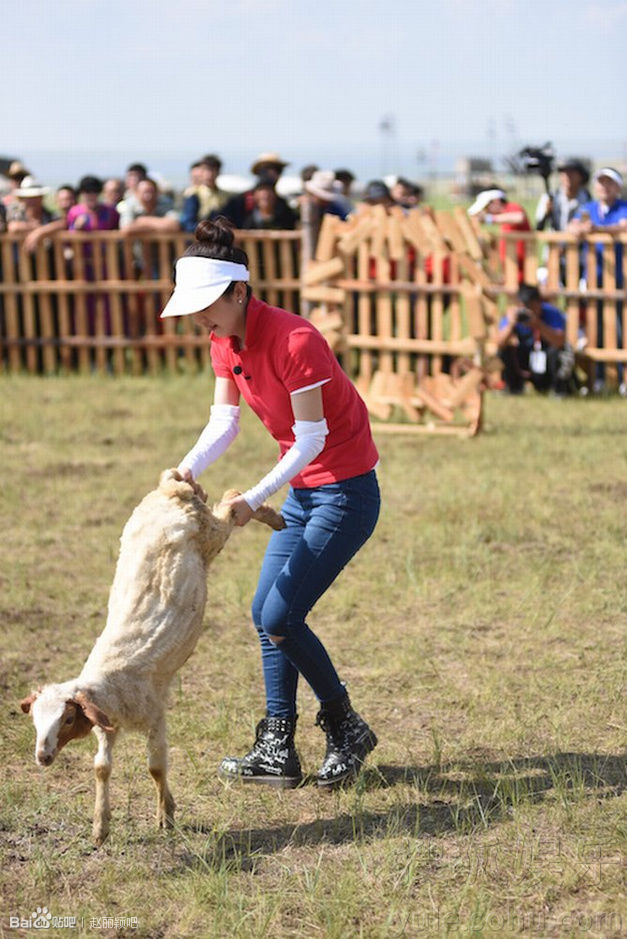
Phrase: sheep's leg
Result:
[158,766]
[102,767]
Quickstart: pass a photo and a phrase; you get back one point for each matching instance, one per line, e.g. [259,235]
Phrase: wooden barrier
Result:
[409,302]
[396,304]
[91,301]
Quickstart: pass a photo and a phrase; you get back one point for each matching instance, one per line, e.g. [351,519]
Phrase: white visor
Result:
[484,199]
[611,173]
[200,282]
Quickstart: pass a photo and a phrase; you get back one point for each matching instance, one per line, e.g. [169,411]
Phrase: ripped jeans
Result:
[326,526]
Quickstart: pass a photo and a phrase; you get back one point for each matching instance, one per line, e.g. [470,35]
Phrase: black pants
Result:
[516,361]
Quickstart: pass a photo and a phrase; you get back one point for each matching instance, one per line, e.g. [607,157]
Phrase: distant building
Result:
[472,175]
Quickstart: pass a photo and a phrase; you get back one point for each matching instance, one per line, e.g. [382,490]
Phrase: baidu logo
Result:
[42,918]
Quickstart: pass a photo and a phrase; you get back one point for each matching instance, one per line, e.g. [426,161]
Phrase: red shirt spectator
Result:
[491,206]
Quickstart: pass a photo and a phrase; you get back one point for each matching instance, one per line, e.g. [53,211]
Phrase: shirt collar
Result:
[254,315]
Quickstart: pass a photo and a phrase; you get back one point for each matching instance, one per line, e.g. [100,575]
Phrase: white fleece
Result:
[218,435]
[308,443]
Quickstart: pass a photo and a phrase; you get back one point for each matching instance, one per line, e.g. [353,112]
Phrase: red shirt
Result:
[285,353]
[520,245]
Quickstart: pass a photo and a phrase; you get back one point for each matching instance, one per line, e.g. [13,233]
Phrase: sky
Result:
[402,85]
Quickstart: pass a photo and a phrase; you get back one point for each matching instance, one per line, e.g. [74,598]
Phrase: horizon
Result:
[362,82]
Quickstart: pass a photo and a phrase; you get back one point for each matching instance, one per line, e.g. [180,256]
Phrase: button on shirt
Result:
[283,354]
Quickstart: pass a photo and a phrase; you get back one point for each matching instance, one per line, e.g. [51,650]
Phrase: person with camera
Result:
[532,345]
[558,208]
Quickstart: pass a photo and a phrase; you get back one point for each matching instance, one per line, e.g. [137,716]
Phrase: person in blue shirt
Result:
[532,345]
[607,214]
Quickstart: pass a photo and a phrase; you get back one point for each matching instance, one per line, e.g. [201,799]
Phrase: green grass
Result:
[481,633]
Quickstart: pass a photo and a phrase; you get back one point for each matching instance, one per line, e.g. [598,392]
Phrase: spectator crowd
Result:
[531,338]
[141,202]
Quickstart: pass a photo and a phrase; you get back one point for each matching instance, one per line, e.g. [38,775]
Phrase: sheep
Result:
[155,614]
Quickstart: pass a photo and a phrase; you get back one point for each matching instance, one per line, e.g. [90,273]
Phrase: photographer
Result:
[532,345]
[558,208]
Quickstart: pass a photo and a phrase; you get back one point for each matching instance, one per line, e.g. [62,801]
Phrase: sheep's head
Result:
[59,719]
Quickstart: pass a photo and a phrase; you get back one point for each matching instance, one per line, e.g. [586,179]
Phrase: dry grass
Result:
[481,632]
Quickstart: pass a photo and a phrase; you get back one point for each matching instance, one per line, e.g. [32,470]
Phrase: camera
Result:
[538,160]
[523,316]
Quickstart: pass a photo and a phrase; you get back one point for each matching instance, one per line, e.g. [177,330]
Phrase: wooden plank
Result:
[437,308]
[472,243]
[553,267]
[319,271]
[362,229]
[366,365]
[97,301]
[456,327]
[270,268]
[466,347]
[421,315]
[324,294]
[474,312]
[46,318]
[11,309]
[447,226]
[164,265]
[29,327]
[378,238]
[383,301]
[572,283]
[432,235]
[610,335]
[443,430]
[403,317]
[396,243]
[115,299]
[325,247]
[63,302]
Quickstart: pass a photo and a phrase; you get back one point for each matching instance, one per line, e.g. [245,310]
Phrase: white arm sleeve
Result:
[308,443]
[220,432]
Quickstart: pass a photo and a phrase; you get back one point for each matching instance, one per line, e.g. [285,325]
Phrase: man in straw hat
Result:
[267,168]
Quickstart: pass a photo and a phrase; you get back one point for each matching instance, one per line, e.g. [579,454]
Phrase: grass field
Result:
[481,633]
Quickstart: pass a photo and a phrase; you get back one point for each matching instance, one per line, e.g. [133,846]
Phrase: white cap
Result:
[200,282]
[611,173]
[321,184]
[31,187]
[484,199]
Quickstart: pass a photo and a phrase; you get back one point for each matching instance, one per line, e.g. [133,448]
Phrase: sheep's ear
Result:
[92,712]
[25,703]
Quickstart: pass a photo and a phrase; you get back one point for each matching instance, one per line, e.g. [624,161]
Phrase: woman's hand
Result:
[242,512]
[186,475]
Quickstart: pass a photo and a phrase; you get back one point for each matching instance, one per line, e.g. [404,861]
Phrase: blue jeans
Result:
[326,526]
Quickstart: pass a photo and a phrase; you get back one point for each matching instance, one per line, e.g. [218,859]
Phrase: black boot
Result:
[273,759]
[349,740]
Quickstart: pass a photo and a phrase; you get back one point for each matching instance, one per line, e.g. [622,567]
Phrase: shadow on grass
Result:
[458,797]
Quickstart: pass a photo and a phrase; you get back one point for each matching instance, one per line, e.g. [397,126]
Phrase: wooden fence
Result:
[92,301]
[409,302]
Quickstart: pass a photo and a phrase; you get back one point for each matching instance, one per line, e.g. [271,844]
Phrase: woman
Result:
[283,368]
[90,214]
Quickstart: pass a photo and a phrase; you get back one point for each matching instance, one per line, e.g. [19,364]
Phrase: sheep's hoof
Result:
[100,835]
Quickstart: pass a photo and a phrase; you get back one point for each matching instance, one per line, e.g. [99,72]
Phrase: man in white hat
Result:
[28,211]
[492,207]
[323,189]
[607,213]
